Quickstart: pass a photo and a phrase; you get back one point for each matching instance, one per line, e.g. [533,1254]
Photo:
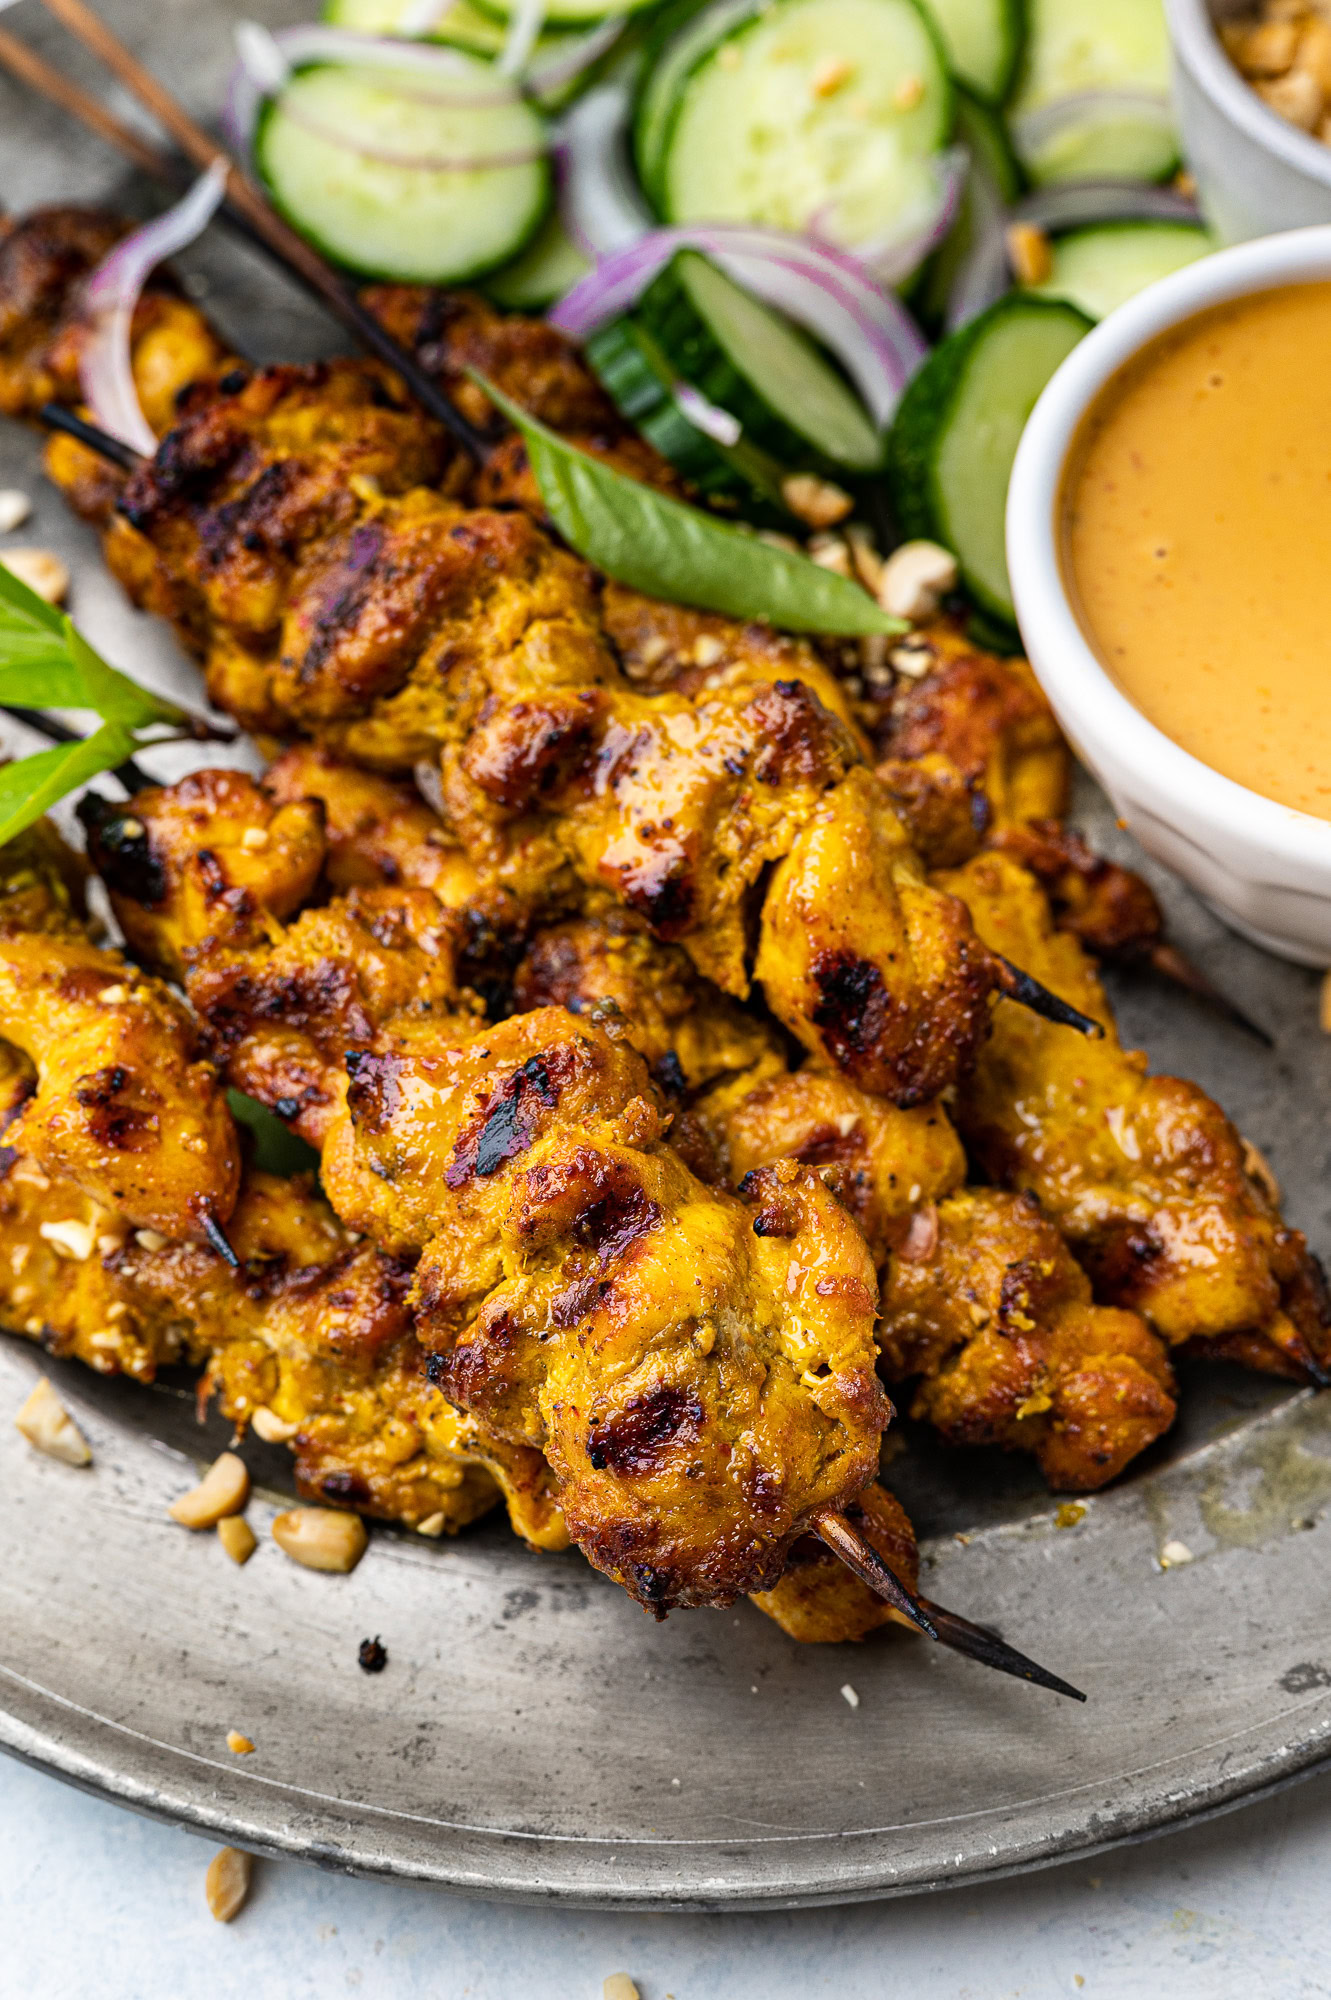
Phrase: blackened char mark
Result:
[188,460]
[505,1126]
[121,851]
[630,1444]
[852,1007]
[119,1127]
[248,520]
[661,889]
[347,593]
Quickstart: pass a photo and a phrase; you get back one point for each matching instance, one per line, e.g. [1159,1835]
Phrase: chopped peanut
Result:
[77,1240]
[227,1887]
[238,1745]
[830,74]
[619,1987]
[15,508]
[1295,97]
[224,1489]
[815,501]
[266,1424]
[40,570]
[1028,253]
[237,1537]
[319,1538]
[49,1428]
[916,577]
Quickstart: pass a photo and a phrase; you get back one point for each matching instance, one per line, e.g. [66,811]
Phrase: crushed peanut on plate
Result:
[227,1886]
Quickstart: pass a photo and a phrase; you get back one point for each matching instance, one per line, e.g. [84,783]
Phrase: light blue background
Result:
[96,1904]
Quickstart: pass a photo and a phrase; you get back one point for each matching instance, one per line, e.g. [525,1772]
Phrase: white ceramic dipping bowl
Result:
[1255,172]
[1264,868]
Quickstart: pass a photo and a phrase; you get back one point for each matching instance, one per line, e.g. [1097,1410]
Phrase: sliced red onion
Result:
[706,417]
[896,254]
[600,203]
[1035,129]
[825,290]
[257,74]
[984,276]
[105,372]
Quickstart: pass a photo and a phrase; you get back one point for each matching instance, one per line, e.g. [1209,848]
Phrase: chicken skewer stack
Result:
[519,693]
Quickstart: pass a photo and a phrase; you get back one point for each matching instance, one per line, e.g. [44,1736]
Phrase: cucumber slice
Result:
[571,11]
[812,113]
[639,380]
[1078,49]
[684,34]
[957,429]
[466,26]
[750,360]
[550,265]
[1097,268]
[380,217]
[982,41]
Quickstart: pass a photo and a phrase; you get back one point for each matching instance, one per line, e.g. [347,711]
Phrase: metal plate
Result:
[535,1736]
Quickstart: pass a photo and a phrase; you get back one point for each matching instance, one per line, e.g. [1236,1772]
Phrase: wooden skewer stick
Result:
[850,1546]
[947,1627]
[247,203]
[131,775]
[1028,992]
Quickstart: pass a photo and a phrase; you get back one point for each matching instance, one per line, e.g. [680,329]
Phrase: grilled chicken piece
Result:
[699,1371]
[822,1603]
[1144,1175]
[200,875]
[987,717]
[121,1103]
[450,332]
[418,628]
[985,1304]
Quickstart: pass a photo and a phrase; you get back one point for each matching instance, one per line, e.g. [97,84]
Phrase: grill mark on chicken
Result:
[119,1126]
[505,1127]
[346,593]
[633,1442]
[852,1005]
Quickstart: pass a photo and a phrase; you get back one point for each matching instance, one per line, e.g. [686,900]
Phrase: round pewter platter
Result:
[535,1736]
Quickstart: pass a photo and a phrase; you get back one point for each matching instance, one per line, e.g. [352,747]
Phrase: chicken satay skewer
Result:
[245,201]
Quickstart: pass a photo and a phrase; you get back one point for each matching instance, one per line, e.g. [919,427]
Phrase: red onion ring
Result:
[825,290]
[256,77]
[110,296]
[425,163]
[600,203]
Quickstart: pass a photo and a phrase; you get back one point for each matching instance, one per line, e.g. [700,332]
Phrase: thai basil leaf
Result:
[657,545]
[30,786]
[276,1149]
[45,663]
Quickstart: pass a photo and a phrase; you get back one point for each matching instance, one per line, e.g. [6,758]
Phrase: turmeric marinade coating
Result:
[697,1369]
[407,627]
[1144,1175]
[117,1098]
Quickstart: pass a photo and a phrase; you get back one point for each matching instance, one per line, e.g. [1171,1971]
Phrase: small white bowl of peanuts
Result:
[1252,83]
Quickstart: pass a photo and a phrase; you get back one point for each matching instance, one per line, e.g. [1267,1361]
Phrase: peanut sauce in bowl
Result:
[1169,544]
[1196,538]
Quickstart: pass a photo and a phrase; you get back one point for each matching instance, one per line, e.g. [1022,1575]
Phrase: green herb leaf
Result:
[45,663]
[276,1150]
[28,787]
[657,545]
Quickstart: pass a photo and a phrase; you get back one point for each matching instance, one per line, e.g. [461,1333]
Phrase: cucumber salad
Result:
[807,246]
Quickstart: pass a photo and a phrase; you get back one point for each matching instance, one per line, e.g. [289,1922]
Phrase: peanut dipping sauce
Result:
[1196,539]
